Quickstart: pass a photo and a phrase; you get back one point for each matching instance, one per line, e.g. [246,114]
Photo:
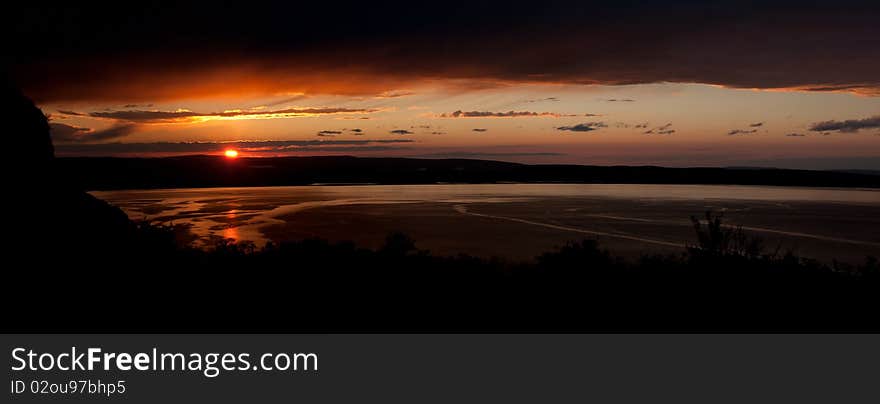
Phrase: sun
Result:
[230,153]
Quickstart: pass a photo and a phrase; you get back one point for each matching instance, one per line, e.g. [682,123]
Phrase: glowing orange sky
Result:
[673,82]
[667,124]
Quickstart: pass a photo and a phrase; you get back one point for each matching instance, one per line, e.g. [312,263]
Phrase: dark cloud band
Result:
[583,127]
[171,116]
[847,126]
[68,133]
[772,44]
[508,114]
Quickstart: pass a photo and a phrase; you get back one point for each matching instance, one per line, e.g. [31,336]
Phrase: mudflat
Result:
[520,221]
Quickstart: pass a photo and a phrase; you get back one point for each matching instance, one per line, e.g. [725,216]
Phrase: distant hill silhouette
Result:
[213,171]
[866,172]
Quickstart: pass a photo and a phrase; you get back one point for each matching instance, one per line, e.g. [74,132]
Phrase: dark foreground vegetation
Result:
[75,263]
[143,281]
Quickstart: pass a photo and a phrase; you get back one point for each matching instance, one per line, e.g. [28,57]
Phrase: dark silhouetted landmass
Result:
[45,211]
[725,282]
[211,171]
[866,172]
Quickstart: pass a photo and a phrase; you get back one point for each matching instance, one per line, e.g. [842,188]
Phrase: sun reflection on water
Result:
[232,230]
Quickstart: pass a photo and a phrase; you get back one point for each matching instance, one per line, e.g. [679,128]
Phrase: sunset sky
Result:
[684,83]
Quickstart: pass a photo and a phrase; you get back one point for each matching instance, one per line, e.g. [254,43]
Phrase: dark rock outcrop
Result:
[56,222]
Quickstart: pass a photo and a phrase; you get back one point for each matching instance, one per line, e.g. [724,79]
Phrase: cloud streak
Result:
[68,133]
[735,132]
[660,130]
[583,127]
[158,116]
[847,126]
[508,114]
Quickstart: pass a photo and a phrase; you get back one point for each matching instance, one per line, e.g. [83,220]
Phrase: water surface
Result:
[518,220]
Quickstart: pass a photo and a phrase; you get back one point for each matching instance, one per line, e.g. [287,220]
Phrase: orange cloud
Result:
[159,116]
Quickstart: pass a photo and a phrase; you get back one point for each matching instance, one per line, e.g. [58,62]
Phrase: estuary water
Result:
[518,221]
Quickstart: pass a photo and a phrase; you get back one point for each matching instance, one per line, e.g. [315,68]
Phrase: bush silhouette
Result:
[718,239]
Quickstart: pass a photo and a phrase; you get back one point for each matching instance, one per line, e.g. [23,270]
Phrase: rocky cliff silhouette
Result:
[58,224]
